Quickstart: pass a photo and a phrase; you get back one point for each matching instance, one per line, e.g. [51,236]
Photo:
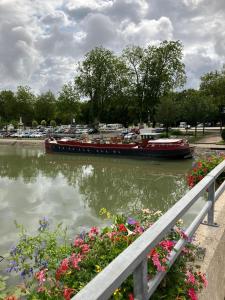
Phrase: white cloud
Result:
[148,31]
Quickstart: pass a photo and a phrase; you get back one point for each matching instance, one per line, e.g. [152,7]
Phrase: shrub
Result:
[53,268]
[202,167]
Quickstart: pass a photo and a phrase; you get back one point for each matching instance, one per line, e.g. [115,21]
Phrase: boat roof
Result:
[163,141]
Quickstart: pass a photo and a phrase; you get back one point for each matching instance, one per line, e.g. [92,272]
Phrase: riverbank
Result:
[22,142]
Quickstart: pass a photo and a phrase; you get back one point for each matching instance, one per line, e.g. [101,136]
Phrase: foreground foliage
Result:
[51,267]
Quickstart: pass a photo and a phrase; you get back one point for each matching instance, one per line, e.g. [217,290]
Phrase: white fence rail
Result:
[133,259]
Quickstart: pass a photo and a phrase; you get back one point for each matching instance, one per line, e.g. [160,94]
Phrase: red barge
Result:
[159,148]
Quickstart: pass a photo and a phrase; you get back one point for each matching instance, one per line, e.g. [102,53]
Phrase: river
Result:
[72,189]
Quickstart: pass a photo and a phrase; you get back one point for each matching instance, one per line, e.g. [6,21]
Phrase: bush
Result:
[53,268]
[202,167]
[176,132]
[223,134]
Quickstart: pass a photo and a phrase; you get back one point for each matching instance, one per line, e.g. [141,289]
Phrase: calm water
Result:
[72,189]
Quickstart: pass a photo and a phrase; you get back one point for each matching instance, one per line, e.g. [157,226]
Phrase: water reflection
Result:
[73,189]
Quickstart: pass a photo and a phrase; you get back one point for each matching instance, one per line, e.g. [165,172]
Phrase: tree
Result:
[68,106]
[43,123]
[45,107]
[53,123]
[166,112]
[34,124]
[155,71]
[100,76]
[8,106]
[25,104]
[193,107]
[213,85]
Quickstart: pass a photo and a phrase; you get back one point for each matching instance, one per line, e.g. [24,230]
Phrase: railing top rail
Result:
[105,283]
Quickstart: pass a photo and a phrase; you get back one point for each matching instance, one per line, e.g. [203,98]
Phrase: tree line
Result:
[142,84]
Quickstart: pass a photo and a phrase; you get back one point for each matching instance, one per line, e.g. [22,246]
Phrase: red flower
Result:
[122,228]
[64,266]
[67,293]
[130,296]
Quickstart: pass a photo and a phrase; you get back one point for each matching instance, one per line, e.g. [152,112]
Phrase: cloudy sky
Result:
[41,41]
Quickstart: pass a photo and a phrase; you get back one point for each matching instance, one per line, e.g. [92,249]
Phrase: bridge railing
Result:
[133,260]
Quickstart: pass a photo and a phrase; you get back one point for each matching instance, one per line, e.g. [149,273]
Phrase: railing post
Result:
[141,281]
[211,198]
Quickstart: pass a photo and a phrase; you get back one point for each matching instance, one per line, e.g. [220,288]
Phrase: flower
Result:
[41,276]
[84,248]
[64,266]
[167,245]
[98,268]
[131,221]
[203,279]
[192,294]
[190,277]
[78,242]
[93,232]
[122,228]
[130,296]
[75,259]
[67,293]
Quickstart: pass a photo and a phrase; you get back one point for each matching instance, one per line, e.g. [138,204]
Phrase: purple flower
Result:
[131,221]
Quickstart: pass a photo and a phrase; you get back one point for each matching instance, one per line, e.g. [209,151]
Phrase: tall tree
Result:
[68,106]
[166,111]
[155,71]
[100,76]
[25,103]
[45,107]
[8,106]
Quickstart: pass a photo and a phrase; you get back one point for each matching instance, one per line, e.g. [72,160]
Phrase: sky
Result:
[41,41]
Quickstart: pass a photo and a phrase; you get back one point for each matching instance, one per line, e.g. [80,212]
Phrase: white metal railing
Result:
[133,260]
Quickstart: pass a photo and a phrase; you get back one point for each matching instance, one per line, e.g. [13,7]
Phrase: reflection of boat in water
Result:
[159,148]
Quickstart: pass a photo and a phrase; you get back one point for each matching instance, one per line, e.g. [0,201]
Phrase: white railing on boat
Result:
[133,259]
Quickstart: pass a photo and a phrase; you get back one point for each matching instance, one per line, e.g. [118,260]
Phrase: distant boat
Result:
[159,148]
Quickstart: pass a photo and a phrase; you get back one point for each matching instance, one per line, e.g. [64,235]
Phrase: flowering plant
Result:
[202,167]
[53,268]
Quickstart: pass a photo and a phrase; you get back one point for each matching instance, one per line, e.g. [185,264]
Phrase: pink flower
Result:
[192,294]
[167,245]
[41,276]
[156,262]
[78,242]
[67,293]
[190,277]
[75,259]
[203,278]
[93,232]
[111,234]
[85,248]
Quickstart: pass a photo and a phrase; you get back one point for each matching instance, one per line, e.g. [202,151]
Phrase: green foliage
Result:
[68,105]
[53,123]
[176,132]
[45,106]
[202,167]
[43,123]
[53,268]
[34,123]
